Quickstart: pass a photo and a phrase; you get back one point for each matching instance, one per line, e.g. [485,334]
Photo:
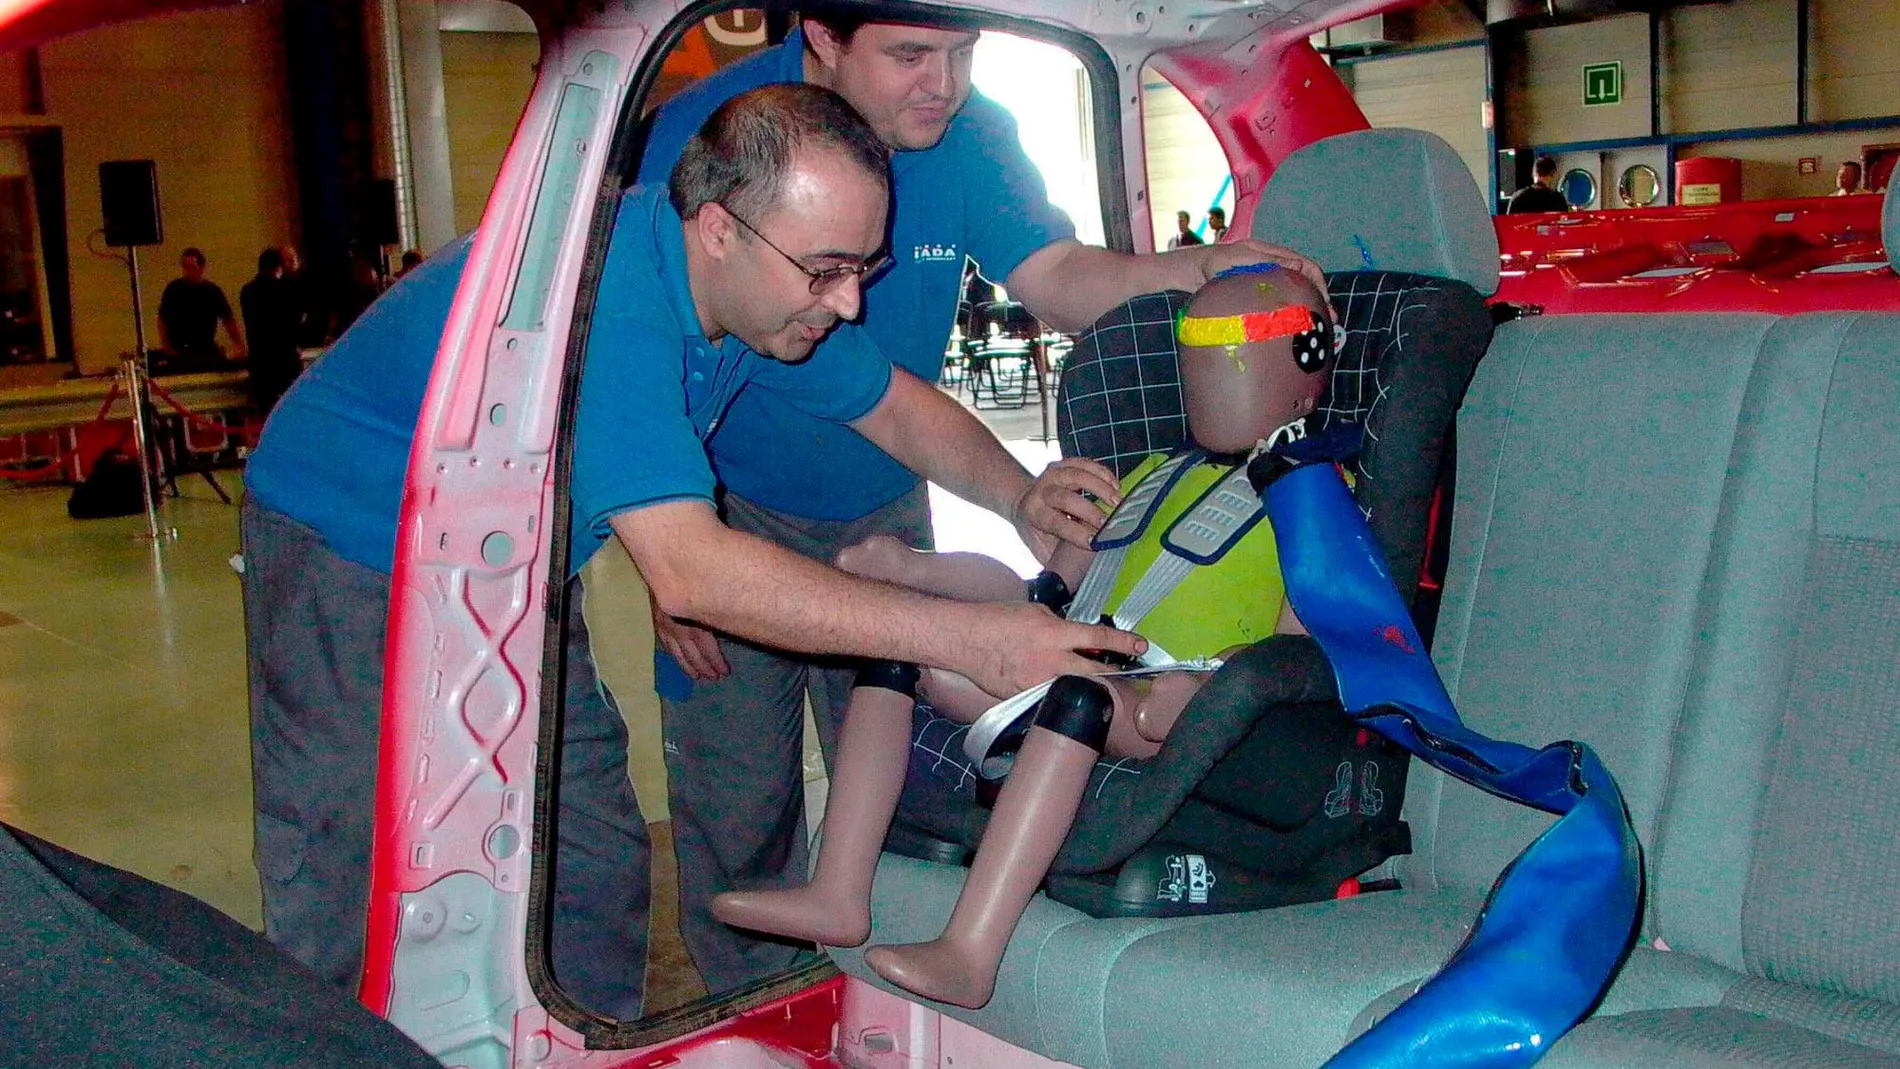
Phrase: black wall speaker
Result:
[128,198]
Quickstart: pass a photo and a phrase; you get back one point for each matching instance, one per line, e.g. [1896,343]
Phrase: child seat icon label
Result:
[1189,876]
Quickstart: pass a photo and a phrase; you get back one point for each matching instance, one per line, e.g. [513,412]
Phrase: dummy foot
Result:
[938,970]
[1033,814]
[873,753]
[807,913]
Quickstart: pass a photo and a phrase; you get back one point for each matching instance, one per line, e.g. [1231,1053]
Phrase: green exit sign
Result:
[1602,84]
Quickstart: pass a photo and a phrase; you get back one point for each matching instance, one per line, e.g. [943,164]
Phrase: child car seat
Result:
[1265,794]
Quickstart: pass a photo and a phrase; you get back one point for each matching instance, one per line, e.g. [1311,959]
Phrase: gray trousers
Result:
[314,626]
[734,754]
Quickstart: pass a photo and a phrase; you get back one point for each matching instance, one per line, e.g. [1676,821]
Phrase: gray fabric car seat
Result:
[1775,881]
[1317,202]
[1678,538]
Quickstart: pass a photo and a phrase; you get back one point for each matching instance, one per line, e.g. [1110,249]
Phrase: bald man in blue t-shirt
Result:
[962,187]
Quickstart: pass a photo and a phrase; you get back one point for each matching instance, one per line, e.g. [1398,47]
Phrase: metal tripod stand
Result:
[134,369]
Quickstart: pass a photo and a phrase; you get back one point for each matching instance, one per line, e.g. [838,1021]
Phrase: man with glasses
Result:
[963,188]
[695,308]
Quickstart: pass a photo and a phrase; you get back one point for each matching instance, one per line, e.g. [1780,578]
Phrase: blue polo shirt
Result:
[974,194]
[336,448]
[653,389]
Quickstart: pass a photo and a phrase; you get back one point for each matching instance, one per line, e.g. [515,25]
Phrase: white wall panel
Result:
[486,78]
[1548,107]
[1440,92]
[1855,69]
[1729,66]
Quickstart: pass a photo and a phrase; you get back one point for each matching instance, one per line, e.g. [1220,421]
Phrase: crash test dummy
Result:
[1187,559]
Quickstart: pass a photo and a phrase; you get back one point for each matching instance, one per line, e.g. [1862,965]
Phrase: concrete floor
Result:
[124,729]
[123,722]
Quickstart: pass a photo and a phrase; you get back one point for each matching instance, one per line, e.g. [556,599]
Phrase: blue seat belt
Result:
[1560,919]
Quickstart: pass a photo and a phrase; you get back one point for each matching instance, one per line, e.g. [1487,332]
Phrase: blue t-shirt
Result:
[653,388]
[973,194]
[335,451]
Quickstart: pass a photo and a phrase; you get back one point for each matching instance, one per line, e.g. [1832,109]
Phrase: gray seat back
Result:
[1678,538]
[1592,454]
[1823,887]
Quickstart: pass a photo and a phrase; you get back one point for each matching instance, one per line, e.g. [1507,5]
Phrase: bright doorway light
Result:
[1047,90]
[1187,171]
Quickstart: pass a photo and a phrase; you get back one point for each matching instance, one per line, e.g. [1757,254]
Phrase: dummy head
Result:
[1256,356]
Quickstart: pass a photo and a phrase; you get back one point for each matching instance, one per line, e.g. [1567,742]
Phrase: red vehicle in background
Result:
[1814,254]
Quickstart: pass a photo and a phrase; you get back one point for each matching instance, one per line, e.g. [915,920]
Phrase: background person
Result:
[313,309]
[1184,234]
[189,312]
[1541,195]
[271,320]
[1847,179]
[361,285]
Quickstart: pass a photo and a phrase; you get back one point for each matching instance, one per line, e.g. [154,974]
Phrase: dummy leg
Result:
[962,576]
[873,753]
[1032,818]
[954,696]
[1155,715]
[1133,700]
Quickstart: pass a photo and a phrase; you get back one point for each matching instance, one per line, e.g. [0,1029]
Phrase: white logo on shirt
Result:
[931,252]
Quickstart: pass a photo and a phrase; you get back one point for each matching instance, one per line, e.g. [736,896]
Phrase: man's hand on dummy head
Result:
[1241,253]
[1066,503]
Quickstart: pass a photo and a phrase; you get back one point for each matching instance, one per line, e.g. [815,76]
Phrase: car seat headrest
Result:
[1382,200]
[1890,227]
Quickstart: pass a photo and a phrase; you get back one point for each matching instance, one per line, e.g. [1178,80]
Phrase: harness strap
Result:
[1097,583]
[1223,515]
[1163,575]
[981,743]
[1218,521]
[1121,530]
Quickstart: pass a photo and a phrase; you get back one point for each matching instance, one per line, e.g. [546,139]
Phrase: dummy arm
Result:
[1069,285]
[699,569]
[932,435]
[1071,563]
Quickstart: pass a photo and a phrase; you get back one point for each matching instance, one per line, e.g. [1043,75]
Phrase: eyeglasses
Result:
[823,280]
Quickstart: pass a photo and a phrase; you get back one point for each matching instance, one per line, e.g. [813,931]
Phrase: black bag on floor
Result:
[99,967]
[111,489]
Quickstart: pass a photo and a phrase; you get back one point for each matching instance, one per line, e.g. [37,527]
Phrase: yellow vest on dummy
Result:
[1234,601]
